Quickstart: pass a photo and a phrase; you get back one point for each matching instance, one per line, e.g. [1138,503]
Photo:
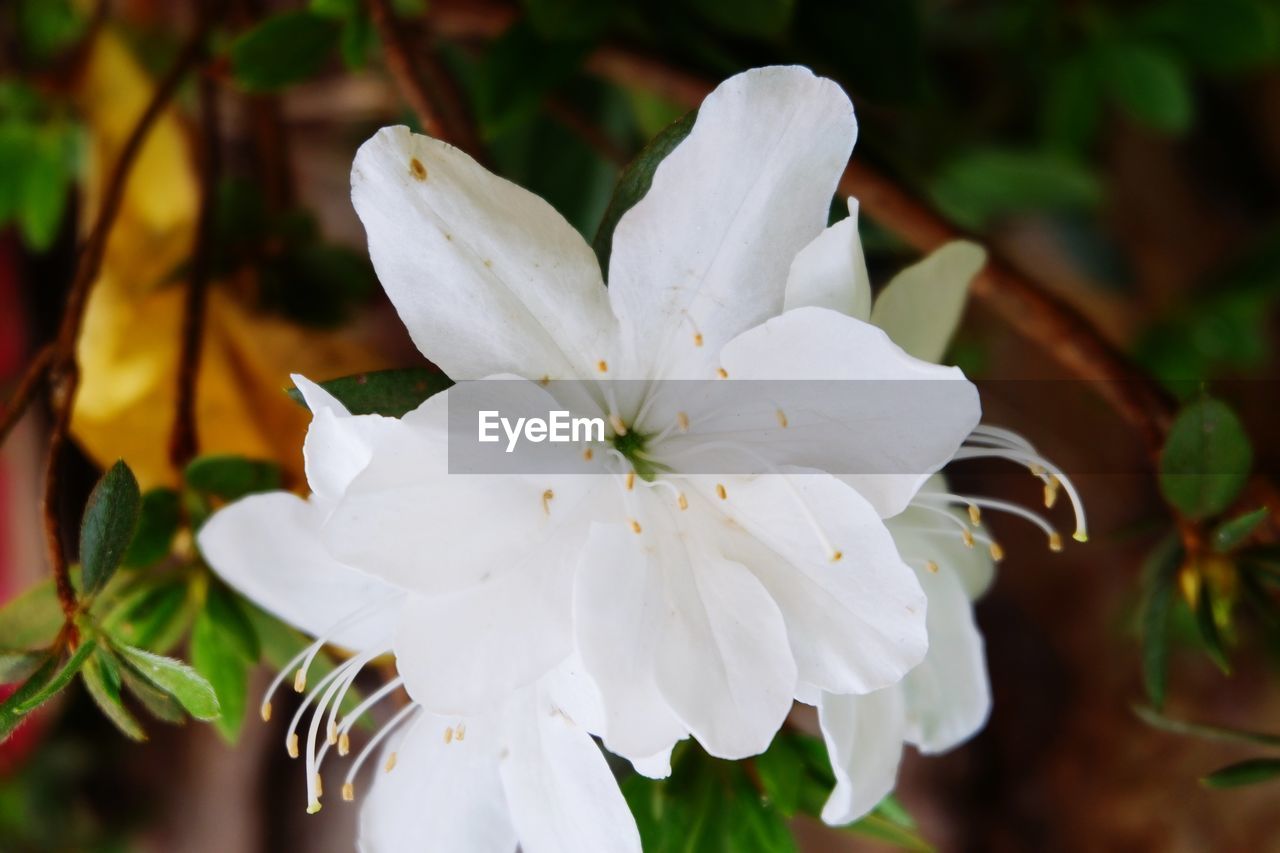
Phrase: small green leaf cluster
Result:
[39,157]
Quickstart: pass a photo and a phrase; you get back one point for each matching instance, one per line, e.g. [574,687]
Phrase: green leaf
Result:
[1206,459]
[756,18]
[31,620]
[1159,575]
[46,184]
[282,50]
[1249,772]
[1072,107]
[223,609]
[1149,85]
[43,684]
[391,393]
[1220,35]
[1231,534]
[1215,733]
[231,477]
[517,74]
[984,184]
[153,615]
[635,182]
[175,678]
[102,680]
[215,657]
[158,522]
[1208,628]
[157,703]
[569,20]
[18,666]
[109,521]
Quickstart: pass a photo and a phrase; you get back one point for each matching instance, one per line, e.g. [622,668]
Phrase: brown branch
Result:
[184,442]
[409,80]
[586,130]
[64,372]
[31,382]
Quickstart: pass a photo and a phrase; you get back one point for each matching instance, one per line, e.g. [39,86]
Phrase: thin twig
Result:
[30,383]
[64,372]
[408,78]
[184,441]
[585,129]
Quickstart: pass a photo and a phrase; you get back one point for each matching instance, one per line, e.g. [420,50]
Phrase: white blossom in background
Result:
[947,697]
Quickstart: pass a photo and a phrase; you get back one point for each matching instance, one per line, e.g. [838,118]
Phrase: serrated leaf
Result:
[1233,533]
[391,393]
[1206,459]
[635,181]
[282,50]
[226,671]
[1249,772]
[231,477]
[41,686]
[175,678]
[107,529]
[103,684]
[158,522]
[1159,574]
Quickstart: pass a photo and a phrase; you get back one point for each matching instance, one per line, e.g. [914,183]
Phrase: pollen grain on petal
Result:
[547,497]
[631,480]
[391,763]
[837,555]
[635,526]
[460,731]
[782,418]
[602,366]
[682,501]
[682,421]
[587,454]
[418,170]
[967,537]
[697,339]
[448,734]
[721,492]
[931,567]
[722,373]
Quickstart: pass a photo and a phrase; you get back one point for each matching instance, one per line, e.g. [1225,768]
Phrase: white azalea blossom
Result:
[633,597]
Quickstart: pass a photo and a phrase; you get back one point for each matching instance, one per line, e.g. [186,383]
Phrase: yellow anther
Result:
[448,734]
[319,786]
[265,711]
[348,792]
[547,497]
[391,763]
[720,491]
[544,381]
[1051,493]
[997,551]
[602,366]
[966,537]
[722,373]
[1055,542]
[975,514]
[635,526]
[313,807]
[300,681]
[682,501]
[344,743]
[291,745]
[931,566]
[682,421]
[1080,536]
[782,418]
[1036,470]
[333,733]
[631,480]
[616,422]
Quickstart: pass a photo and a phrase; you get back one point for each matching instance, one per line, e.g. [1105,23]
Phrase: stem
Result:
[402,69]
[184,441]
[64,372]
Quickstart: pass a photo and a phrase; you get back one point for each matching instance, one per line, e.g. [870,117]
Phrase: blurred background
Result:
[1122,158]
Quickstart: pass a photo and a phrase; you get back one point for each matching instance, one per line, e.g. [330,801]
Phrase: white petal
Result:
[563,797]
[463,652]
[856,623]
[706,251]
[618,613]
[831,272]
[723,662]
[487,277]
[923,535]
[268,548]
[921,307]
[338,444]
[864,740]
[885,436]
[947,696]
[439,797]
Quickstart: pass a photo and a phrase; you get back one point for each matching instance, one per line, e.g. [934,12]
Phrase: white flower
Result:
[524,771]
[697,604]
[946,699]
